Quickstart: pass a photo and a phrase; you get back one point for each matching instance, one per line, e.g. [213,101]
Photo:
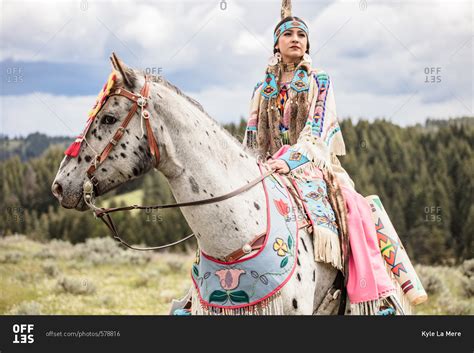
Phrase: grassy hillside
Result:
[98,277]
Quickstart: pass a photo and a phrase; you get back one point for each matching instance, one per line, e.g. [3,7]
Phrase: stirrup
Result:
[390,307]
[387,311]
[182,312]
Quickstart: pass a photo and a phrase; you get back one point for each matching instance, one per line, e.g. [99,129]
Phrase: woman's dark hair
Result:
[290,18]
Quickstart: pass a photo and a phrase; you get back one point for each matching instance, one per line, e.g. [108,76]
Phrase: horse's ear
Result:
[128,75]
[114,65]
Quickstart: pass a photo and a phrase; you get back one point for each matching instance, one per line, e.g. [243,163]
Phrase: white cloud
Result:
[149,25]
[404,109]
[51,31]
[227,106]
[246,43]
[376,57]
[50,114]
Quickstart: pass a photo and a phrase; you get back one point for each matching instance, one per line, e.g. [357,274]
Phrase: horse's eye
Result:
[109,120]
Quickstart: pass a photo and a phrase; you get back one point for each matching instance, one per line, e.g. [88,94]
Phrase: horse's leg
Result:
[306,290]
[326,296]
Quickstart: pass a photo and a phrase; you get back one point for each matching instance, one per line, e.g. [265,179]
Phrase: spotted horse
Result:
[143,123]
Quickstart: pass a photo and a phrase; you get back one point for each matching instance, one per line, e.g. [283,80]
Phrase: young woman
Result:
[293,126]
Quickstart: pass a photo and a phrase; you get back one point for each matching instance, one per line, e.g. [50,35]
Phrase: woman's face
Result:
[292,44]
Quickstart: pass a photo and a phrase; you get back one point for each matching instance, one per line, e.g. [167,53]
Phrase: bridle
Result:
[139,101]
[91,182]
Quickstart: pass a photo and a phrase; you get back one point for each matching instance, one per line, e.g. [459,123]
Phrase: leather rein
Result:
[91,182]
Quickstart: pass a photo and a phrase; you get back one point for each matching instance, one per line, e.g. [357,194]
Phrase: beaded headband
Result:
[287,25]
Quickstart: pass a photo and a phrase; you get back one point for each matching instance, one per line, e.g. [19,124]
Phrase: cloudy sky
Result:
[403,61]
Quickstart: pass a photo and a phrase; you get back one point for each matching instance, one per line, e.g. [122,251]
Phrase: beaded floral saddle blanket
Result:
[252,285]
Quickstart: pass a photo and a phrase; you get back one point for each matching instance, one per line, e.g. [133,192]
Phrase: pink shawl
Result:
[368,279]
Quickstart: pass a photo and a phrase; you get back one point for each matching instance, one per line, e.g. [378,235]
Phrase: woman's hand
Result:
[279,166]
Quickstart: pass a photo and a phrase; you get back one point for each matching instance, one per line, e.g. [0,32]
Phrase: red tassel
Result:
[74,148]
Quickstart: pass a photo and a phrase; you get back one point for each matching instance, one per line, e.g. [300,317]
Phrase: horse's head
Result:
[97,156]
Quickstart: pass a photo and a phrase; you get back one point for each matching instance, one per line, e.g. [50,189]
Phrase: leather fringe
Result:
[251,141]
[371,307]
[315,150]
[326,247]
[336,199]
[270,306]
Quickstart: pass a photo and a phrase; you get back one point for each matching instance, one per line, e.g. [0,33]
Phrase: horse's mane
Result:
[163,81]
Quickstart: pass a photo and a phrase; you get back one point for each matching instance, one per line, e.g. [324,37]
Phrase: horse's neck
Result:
[213,164]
